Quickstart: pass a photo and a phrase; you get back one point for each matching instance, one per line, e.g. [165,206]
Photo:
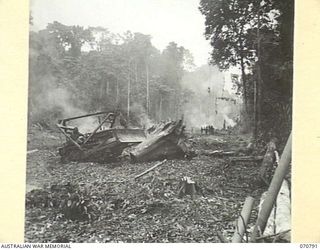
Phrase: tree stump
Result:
[188,187]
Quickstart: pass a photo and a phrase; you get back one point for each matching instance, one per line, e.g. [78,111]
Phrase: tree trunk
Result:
[136,73]
[147,76]
[244,84]
[107,88]
[117,91]
[255,129]
[128,98]
[160,108]
[258,90]
[101,94]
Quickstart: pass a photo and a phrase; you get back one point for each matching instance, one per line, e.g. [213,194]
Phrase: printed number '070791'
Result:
[309,246]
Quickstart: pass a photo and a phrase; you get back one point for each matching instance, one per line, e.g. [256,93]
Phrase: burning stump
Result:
[188,187]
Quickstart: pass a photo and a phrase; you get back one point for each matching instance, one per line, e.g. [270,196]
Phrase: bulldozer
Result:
[104,143]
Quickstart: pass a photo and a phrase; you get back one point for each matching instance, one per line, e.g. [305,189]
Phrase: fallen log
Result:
[246,158]
[279,219]
[243,220]
[217,153]
[268,161]
[150,169]
[273,191]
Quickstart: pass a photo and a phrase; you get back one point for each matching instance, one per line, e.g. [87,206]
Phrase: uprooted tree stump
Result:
[165,141]
[188,187]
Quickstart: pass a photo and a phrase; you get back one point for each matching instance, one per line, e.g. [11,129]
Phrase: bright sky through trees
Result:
[164,20]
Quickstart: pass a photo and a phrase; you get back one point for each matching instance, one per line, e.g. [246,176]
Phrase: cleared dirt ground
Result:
[121,209]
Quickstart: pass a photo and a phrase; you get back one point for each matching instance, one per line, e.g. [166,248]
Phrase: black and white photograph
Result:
[159,121]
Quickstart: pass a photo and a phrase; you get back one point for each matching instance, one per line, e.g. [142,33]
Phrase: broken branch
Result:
[273,235]
[150,169]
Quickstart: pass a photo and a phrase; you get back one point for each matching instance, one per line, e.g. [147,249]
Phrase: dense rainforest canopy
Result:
[257,37]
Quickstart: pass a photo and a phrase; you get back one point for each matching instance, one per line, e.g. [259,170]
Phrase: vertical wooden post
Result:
[273,190]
